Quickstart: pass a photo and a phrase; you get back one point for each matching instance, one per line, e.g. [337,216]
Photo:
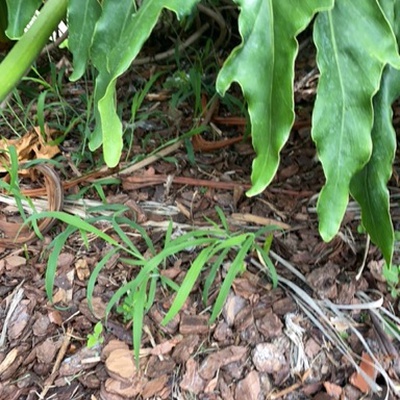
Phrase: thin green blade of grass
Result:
[14,183]
[169,282]
[41,101]
[140,96]
[152,265]
[16,192]
[36,161]
[189,151]
[81,193]
[168,234]
[215,225]
[268,243]
[195,82]
[222,218]
[195,269]
[267,229]
[141,230]
[213,273]
[128,242]
[84,237]
[56,247]
[234,270]
[100,191]
[138,314]
[13,167]
[78,223]
[95,273]
[264,258]
[151,294]
[133,262]
[188,283]
[190,237]
[232,242]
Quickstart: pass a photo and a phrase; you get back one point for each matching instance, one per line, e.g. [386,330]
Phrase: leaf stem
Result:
[25,51]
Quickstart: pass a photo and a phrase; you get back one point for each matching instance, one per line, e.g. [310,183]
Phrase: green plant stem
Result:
[25,51]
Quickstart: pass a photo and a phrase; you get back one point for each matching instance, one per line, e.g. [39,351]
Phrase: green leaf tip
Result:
[119,34]
[263,66]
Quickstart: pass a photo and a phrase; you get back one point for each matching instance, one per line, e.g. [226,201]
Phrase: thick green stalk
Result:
[25,51]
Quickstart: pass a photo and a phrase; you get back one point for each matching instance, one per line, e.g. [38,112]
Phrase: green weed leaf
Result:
[213,273]
[138,314]
[76,222]
[95,337]
[263,65]
[95,273]
[354,42]
[174,247]
[188,283]
[236,267]
[56,247]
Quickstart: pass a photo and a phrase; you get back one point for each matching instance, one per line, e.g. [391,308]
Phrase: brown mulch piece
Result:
[248,353]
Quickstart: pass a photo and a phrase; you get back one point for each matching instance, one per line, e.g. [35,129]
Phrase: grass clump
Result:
[212,247]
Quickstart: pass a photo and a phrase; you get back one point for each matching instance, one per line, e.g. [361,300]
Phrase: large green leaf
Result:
[20,12]
[368,186]
[263,65]
[354,42]
[82,18]
[119,35]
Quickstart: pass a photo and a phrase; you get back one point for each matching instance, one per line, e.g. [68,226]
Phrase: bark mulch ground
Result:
[262,346]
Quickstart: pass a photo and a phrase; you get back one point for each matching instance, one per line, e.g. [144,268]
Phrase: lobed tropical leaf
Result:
[119,35]
[369,186]
[20,13]
[263,65]
[354,43]
[82,18]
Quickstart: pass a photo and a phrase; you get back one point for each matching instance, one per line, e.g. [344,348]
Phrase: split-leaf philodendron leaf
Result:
[82,18]
[20,13]
[263,65]
[119,35]
[368,186]
[354,43]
